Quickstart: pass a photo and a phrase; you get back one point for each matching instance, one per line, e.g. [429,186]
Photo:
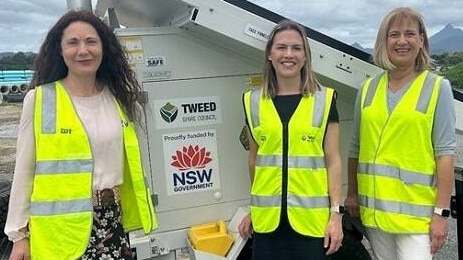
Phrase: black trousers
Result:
[285,243]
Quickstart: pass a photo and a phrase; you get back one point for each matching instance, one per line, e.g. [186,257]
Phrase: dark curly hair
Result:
[114,71]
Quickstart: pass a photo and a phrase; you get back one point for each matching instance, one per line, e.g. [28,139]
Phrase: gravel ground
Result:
[9,119]
[450,249]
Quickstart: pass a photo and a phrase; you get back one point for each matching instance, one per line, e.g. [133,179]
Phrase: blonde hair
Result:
[399,15]
[309,83]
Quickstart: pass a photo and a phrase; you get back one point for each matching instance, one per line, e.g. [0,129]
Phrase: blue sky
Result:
[23,23]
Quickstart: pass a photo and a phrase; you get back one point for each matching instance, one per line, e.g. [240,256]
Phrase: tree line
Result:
[18,61]
[450,65]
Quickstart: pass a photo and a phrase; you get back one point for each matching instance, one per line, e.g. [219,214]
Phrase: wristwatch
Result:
[442,212]
[338,209]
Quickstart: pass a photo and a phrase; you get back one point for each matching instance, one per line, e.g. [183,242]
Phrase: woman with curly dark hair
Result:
[78,185]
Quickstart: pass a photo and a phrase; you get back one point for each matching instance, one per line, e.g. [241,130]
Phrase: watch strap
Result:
[442,212]
[337,209]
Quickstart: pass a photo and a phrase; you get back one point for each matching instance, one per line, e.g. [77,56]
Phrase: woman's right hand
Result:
[245,227]
[20,250]
[352,205]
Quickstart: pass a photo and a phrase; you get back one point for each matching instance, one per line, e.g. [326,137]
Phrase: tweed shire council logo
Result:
[169,112]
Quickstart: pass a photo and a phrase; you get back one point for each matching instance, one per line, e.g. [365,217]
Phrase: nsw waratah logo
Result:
[191,157]
[169,112]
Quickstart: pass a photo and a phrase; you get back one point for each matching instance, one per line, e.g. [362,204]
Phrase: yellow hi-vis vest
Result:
[307,200]
[397,172]
[61,210]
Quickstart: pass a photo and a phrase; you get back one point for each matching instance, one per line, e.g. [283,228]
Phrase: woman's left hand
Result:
[333,234]
[245,227]
[438,232]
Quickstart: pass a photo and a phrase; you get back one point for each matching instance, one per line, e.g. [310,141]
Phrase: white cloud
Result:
[24,23]
[358,20]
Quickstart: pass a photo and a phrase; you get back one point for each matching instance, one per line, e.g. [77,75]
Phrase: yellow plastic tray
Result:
[211,237]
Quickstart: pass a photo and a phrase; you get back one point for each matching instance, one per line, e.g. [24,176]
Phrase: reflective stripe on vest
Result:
[58,167]
[406,176]
[396,207]
[49,109]
[60,207]
[308,208]
[294,201]
[396,170]
[293,161]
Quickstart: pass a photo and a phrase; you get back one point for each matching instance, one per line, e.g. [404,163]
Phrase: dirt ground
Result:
[9,115]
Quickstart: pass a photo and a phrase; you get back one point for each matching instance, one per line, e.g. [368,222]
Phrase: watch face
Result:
[445,213]
[342,210]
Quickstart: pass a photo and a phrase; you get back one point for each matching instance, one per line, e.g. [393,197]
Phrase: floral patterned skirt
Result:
[108,239]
